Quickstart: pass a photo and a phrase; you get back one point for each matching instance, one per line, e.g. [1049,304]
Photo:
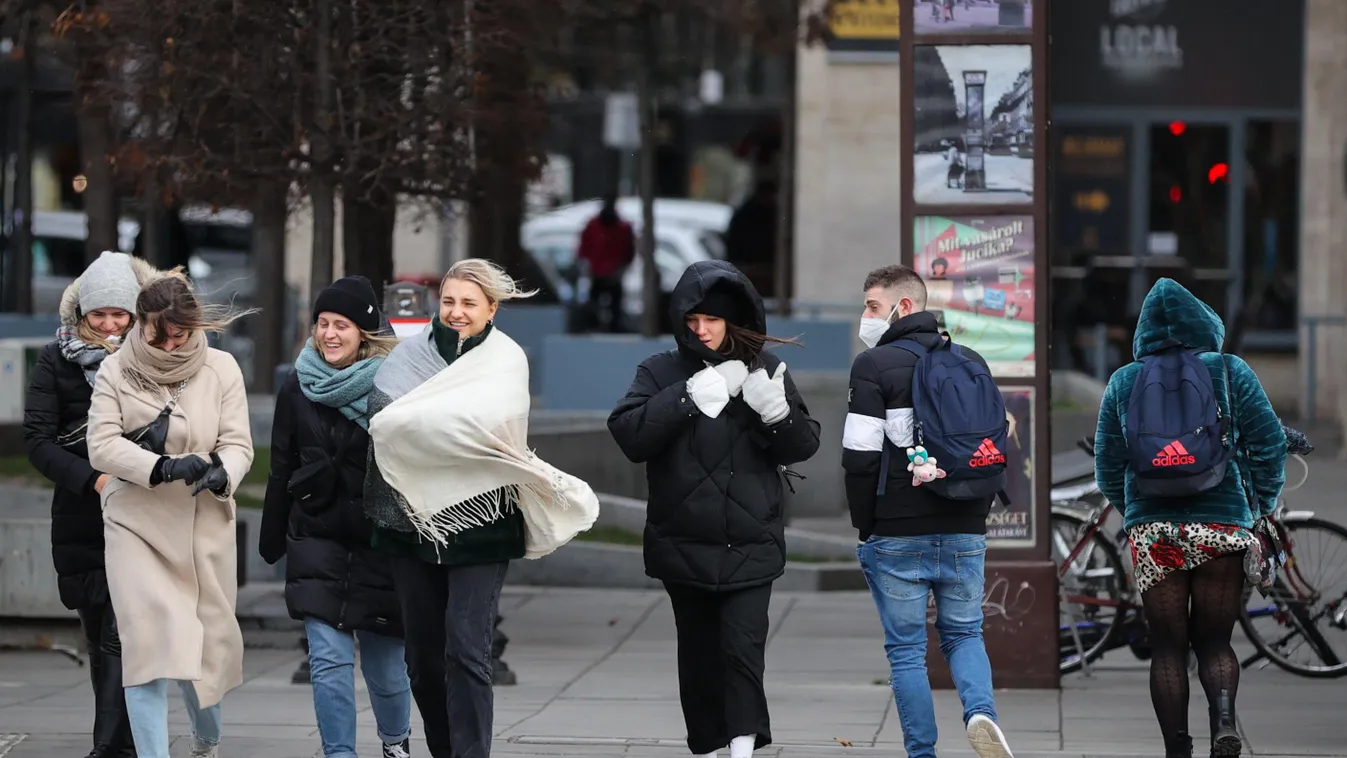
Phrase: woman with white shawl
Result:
[455,495]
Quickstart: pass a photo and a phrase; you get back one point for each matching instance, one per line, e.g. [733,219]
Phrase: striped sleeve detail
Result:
[863,433]
[899,426]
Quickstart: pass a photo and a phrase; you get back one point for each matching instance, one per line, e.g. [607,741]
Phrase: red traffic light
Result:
[1218,172]
[1177,128]
[1175,194]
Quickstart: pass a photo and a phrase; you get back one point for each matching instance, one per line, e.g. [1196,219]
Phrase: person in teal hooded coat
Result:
[1188,551]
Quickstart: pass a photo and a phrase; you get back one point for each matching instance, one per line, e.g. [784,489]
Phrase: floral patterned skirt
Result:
[1161,547]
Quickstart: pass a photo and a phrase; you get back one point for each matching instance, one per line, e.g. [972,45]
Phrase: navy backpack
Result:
[1178,440]
[960,418]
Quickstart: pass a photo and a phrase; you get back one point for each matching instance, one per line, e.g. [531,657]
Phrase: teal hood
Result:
[1171,315]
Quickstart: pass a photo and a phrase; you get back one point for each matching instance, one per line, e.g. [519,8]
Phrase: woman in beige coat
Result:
[168,512]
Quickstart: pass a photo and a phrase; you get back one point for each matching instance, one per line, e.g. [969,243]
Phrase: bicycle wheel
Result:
[1092,610]
[1302,625]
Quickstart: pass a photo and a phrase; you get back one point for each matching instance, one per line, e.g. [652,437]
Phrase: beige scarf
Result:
[150,368]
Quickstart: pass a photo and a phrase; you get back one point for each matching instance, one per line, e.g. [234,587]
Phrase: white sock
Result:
[742,746]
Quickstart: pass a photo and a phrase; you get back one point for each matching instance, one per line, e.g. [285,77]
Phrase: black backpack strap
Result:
[919,350]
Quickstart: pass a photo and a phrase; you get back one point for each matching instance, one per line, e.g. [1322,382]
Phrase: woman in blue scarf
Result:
[340,587]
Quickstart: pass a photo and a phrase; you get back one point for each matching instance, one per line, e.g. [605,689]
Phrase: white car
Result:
[686,231]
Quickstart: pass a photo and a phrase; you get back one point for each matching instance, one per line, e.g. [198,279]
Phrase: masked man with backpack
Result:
[922,445]
[1188,442]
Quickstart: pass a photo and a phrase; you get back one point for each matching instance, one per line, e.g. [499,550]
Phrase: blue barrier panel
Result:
[827,344]
[592,372]
[530,326]
[18,325]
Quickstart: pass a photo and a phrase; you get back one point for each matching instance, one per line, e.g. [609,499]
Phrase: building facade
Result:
[1197,139]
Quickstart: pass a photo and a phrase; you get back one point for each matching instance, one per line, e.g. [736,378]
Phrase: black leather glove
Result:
[188,468]
[216,479]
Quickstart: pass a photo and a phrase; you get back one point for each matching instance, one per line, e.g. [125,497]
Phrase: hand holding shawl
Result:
[453,443]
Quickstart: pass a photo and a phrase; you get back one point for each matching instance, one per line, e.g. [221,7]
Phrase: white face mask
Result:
[872,329]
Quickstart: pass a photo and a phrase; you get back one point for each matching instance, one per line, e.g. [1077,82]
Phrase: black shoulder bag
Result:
[154,435]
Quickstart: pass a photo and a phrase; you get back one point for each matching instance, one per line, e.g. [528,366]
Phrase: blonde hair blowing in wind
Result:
[495,283]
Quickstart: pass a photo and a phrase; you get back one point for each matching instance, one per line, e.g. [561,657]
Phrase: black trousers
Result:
[611,320]
[448,616]
[722,648]
[112,727]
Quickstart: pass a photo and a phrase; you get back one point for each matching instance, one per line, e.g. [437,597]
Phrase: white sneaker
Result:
[987,739]
[204,750]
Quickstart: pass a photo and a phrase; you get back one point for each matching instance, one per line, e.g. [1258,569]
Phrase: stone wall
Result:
[1323,199]
[847,186]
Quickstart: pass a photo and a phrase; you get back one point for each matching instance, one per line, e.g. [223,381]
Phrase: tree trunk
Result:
[21,268]
[152,226]
[100,196]
[784,270]
[323,190]
[645,98]
[269,348]
[367,237]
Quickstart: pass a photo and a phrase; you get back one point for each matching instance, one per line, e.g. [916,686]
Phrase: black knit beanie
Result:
[722,303]
[352,297]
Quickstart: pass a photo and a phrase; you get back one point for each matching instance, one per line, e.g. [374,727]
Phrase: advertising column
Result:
[975,210]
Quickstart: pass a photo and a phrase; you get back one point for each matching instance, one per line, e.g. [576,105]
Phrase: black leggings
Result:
[1197,608]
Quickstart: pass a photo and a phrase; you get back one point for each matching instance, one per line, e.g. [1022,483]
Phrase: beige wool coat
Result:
[171,557]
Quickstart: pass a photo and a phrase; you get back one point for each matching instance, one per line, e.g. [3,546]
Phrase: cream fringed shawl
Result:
[452,445]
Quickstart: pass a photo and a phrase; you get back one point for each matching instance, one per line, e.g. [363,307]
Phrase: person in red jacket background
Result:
[608,246]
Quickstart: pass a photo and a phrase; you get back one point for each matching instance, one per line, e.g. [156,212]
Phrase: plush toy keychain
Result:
[922,466]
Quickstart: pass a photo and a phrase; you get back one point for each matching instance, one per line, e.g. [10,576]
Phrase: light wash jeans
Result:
[902,573]
[332,672]
[147,707]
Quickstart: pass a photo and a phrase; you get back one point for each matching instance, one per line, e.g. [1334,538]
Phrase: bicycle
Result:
[1098,596]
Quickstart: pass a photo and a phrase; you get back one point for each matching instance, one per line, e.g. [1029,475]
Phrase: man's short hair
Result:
[902,280]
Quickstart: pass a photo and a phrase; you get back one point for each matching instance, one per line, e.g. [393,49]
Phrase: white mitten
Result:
[708,391]
[735,372]
[767,395]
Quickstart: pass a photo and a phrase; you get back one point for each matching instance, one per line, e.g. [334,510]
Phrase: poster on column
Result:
[972,16]
[1013,525]
[979,274]
[974,124]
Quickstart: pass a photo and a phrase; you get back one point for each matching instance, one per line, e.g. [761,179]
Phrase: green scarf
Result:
[345,389]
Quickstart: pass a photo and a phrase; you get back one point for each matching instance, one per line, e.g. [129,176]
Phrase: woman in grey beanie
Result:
[96,310]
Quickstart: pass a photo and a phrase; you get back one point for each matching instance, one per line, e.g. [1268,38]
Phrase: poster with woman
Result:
[980,283]
[1013,525]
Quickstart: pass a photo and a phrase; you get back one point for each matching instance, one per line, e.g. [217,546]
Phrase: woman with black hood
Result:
[715,421]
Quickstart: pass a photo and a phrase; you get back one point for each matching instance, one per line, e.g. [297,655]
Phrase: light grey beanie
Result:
[109,282]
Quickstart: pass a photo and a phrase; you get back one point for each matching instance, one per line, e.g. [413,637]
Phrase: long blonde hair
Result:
[497,285]
[371,345]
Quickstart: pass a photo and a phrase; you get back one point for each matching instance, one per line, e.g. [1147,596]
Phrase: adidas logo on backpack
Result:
[960,418]
[1176,431]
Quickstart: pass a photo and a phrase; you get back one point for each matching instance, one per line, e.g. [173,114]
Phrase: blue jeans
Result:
[147,708]
[332,672]
[902,573]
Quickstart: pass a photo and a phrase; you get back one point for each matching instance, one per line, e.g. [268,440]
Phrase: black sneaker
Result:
[400,750]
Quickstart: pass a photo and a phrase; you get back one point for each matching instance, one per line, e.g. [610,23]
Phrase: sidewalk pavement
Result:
[597,677]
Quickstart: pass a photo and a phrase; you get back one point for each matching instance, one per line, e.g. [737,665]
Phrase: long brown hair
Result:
[746,345]
[170,301]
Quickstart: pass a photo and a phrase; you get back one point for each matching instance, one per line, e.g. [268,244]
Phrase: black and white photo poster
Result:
[974,125]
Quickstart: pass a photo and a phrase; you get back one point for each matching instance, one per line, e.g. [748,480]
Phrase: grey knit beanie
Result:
[109,282]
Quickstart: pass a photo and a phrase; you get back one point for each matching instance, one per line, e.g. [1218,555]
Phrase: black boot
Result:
[1181,746]
[112,727]
[1225,741]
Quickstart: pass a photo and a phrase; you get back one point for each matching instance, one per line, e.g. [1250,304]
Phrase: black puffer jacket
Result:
[714,517]
[331,572]
[57,406]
